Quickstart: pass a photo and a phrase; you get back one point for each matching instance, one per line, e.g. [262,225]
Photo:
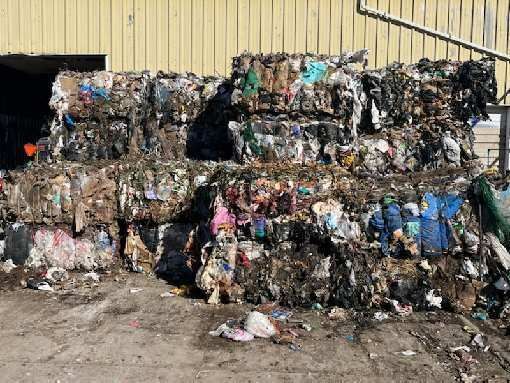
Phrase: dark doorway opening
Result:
[24,112]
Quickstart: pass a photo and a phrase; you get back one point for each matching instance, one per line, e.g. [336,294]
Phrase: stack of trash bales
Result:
[76,216]
[135,126]
[320,109]
[364,198]
[358,187]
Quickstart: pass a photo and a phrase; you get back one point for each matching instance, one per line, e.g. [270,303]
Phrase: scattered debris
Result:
[260,325]
[167,294]
[39,285]
[380,316]
[7,266]
[339,314]
[56,274]
[90,277]
[479,341]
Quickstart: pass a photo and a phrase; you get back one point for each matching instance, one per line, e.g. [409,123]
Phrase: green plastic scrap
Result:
[459,227]
[412,229]
[303,190]
[389,199]
[495,222]
[251,83]
[56,199]
[249,137]
[440,73]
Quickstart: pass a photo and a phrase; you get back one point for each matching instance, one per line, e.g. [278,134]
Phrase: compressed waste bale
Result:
[189,117]
[105,191]
[254,206]
[302,83]
[98,115]
[492,192]
[55,247]
[416,110]
[388,97]
[68,192]
[106,115]
[302,235]
[159,191]
[305,141]
[398,118]
[297,141]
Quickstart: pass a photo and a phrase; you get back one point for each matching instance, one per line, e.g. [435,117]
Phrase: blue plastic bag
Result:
[431,237]
[376,222]
[450,205]
[69,120]
[392,218]
[435,230]
[100,93]
[430,206]
[315,72]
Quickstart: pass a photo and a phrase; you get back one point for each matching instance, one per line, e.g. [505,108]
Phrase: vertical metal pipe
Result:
[480,245]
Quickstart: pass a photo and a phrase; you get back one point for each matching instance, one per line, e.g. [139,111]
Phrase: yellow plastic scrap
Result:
[347,160]
[491,171]
[182,291]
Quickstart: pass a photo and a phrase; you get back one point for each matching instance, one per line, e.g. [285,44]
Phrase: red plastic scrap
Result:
[244,260]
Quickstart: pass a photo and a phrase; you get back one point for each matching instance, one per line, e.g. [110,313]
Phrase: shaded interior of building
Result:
[25,116]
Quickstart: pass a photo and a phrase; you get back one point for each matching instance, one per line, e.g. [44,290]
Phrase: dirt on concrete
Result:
[106,333]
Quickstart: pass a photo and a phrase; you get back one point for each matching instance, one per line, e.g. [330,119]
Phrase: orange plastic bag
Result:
[30,149]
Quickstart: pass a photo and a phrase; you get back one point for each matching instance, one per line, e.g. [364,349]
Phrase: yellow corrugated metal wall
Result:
[202,35]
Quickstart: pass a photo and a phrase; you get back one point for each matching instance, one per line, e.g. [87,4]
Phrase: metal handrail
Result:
[363,8]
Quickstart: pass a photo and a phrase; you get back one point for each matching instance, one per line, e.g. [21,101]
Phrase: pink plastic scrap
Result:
[238,335]
[222,217]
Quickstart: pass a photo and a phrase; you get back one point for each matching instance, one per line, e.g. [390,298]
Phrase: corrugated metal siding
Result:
[202,35]
[488,136]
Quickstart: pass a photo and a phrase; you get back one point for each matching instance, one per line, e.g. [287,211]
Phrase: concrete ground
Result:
[106,333]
